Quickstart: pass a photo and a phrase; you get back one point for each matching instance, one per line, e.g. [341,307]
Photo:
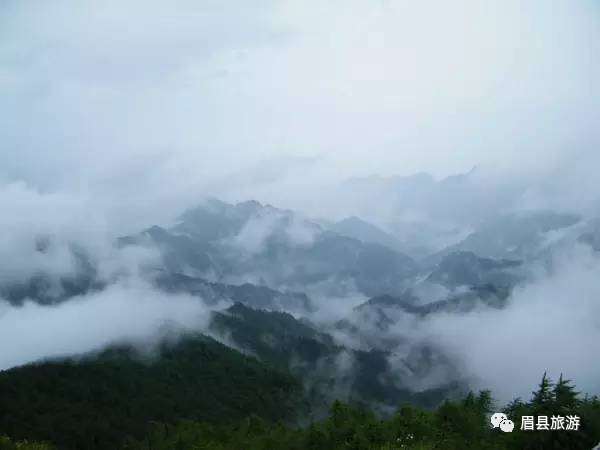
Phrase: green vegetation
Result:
[199,394]
[94,403]
[459,425]
[313,357]
[8,444]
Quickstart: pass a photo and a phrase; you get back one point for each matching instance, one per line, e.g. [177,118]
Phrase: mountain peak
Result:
[357,228]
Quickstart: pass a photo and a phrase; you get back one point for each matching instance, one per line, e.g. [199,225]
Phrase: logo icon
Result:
[497,418]
[500,420]
[507,426]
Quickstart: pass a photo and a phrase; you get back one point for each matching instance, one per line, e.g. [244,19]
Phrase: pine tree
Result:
[543,398]
[515,407]
[565,396]
[485,402]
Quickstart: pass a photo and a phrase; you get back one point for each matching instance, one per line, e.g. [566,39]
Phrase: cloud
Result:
[39,229]
[127,312]
[142,103]
[549,325]
[270,225]
[44,231]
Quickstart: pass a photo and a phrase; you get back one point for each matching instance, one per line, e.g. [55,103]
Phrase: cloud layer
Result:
[549,325]
[130,312]
[140,103]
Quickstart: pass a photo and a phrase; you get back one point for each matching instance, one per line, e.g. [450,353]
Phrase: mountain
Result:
[361,230]
[328,369]
[51,287]
[454,425]
[457,302]
[590,235]
[465,268]
[254,296]
[456,198]
[263,245]
[422,213]
[95,401]
[458,283]
[387,322]
[263,272]
[514,236]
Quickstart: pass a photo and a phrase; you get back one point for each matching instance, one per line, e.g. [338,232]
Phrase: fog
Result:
[127,313]
[118,115]
[549,325]
[144,106]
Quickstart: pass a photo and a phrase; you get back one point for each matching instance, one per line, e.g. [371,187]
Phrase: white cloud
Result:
[142,100]
[549,325]
[129,312]
[271,224]
[40,231]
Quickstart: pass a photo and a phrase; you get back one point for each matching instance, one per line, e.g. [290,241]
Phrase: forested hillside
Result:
[314,357]
[143,411]
[458,425]
[95,402]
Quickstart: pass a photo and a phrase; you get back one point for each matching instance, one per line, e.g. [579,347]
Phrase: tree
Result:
[543,398]
[565,396]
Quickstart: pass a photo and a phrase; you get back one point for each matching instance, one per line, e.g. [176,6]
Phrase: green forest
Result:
[199,394]
[453,425]
[97,401]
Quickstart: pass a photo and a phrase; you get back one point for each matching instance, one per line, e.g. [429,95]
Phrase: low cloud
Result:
[126,312]
[271,225]
[550,324]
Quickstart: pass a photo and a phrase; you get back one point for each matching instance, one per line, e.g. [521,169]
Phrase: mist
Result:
[548,326]
[144,107]
[427,120]
[125,313]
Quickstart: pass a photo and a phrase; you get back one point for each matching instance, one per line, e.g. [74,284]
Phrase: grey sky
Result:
[138,103]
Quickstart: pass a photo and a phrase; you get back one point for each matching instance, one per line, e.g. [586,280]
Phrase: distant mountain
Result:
[590,235]
[248,294]
[249,242]
[45,289]
[457,198]
[180,253]
[458,302]
[356,228]
[458,283]
[465,268]
[514,236]
[214,220]
[386,322]
[423,213]
[51,288]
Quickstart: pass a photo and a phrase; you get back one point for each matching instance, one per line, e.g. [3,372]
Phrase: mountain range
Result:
[302,312]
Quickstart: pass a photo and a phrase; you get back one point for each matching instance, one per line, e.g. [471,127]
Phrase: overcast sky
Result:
[138,102]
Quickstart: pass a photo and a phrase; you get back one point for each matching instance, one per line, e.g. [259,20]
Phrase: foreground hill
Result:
[456,425]
[95,401]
